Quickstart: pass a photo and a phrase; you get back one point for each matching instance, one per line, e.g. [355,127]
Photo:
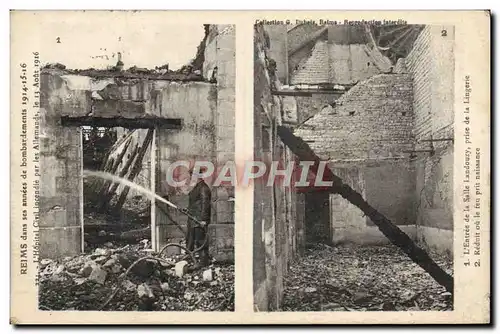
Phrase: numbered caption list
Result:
[472,192]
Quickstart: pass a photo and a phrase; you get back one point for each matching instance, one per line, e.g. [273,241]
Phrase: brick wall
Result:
[432,67]
[333,63]
[373,120]
[338,52]
[350,63]
[277,230]
[300,34]
[314,69]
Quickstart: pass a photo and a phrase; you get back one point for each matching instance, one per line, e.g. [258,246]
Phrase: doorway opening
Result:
[116,215]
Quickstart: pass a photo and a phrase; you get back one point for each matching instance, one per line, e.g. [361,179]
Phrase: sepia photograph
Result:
[127,219]
[355,123]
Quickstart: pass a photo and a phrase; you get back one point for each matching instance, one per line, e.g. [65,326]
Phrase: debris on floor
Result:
[363,278]
[85,282]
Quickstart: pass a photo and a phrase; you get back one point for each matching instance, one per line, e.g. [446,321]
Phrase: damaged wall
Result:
[208,110]
[62,190]
[195,103]
[336,54]
[368,136]
[363,134]
[432,67]
[336,64]
[278,224]
[364,137]
[373,120]
[407,108]
[220,53]
[309,106]
[347,222]
[61,201]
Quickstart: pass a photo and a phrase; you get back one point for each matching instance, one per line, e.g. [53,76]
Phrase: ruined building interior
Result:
[145,119]
[377,104]
[190,112]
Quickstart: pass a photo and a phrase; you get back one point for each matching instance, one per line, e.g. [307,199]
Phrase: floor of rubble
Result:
[85,282]
[363,278]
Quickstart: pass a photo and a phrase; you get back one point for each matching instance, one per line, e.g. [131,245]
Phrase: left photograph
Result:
[135,116]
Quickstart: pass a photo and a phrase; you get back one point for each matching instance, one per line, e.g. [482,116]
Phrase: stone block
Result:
[98,275]
[207,275]
[180,268]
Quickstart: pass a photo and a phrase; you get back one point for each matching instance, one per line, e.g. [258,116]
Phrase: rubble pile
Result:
[363,278]
[86,282]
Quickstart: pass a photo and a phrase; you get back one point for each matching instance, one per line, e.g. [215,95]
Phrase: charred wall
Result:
[61,201]
[204,103]
[220,52]
[365,136]
[278,212]
[208,112]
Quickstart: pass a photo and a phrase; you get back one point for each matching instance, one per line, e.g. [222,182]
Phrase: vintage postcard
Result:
[250,167]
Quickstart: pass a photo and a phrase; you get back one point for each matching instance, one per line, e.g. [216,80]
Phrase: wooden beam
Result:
[149,122]
[307,92]
[291,93]
[395,235]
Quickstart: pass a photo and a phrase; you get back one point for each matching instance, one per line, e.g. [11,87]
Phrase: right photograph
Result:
[354,124]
